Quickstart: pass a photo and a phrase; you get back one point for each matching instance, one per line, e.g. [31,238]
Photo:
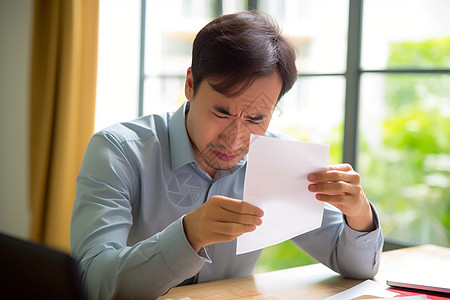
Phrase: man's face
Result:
[219,127]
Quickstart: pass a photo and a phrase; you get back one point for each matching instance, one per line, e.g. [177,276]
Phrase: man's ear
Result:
[189,85]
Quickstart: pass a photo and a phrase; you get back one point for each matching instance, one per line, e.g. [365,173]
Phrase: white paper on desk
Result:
[276,182]
[366,288]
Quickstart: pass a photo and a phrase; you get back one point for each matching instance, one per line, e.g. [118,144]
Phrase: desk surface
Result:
[306,282]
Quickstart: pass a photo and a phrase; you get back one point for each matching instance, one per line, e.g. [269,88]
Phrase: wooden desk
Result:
[307,282]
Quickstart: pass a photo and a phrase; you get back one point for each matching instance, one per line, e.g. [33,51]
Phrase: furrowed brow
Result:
[222,110]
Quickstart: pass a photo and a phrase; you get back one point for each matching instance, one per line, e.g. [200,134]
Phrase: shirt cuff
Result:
[204,255]
[178,254]
[365,240]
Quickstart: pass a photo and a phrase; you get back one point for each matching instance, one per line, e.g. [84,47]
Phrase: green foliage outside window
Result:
[410,172]
[432,53]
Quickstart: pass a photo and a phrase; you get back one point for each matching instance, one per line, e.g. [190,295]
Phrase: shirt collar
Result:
[181,151]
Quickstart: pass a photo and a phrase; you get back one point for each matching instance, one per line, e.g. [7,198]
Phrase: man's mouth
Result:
[224,156]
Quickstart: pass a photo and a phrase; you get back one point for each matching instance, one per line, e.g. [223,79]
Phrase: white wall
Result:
[15,49]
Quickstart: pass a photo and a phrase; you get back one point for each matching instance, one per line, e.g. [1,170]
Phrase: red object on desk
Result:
[430,295]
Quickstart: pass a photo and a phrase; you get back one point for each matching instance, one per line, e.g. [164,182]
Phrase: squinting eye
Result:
[256,122]
[221,117]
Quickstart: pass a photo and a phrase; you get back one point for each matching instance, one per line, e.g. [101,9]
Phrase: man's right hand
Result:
[220,219]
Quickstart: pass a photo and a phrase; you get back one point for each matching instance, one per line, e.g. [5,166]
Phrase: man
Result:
[158,200]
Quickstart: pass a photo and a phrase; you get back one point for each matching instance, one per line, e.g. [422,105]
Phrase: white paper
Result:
[366,288]
[276,181]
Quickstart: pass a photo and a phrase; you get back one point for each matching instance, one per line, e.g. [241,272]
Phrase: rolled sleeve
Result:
[359,252]
[364,240]
[130,271]
[178,254]
[349,252]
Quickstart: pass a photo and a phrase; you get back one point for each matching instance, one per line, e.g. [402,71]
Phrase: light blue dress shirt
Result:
[136,183]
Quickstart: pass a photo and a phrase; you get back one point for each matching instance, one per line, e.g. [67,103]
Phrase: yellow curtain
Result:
[63,89]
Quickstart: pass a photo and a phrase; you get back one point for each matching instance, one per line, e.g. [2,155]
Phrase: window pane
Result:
[170,28]
[318,29]
[404,157]
[118,62]
[313,111]
[163,94]
[406,34]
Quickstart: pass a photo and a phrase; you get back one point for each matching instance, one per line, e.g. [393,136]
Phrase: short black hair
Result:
[236,49]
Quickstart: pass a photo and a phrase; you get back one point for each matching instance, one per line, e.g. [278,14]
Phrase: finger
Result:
[232,229]
[336,201]
[333,188]
[345,203]
[333,199]
[341,167]
[337,167]
[221,237]
[333,175]
[228,216]
[239,206]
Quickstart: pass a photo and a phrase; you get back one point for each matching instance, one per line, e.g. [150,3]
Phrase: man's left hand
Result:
[340,186]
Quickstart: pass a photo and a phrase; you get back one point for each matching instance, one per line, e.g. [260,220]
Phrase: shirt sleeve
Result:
[101,220]
[349,252]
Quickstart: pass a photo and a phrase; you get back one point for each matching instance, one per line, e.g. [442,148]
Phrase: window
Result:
[404,137]
[374,83]
[118,62]
[170,29]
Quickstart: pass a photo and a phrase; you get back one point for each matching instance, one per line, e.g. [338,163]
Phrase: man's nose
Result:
[234,135]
